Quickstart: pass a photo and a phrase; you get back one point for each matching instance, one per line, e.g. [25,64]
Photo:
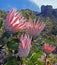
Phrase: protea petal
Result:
[25,45]
[11,15]
[49,48]
[14,22]
[35,28]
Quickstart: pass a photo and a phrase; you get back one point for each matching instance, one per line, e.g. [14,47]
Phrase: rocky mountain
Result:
[48,11]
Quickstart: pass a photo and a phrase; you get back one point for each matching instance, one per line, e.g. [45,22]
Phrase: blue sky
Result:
[18,4]
[26,4]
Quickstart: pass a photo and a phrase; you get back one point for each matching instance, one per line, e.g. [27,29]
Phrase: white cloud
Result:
[45,2]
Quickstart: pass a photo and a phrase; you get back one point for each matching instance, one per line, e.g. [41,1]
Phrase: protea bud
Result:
[14,21]
[25,45]
[35,28]
[49,48]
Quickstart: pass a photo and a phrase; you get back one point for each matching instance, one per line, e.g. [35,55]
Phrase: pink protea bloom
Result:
[49,48]
[35,28]
[14,21]
[25,45]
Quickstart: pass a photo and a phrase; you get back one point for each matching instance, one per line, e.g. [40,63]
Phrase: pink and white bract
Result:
[48,48]
[35,28]
[14,21]
[25,45]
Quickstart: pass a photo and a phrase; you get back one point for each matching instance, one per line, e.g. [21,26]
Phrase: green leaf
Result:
[35,56]
[38,62]
[39,54]
[1,24]
[12,45]
[53,59]
[12,61]
[16,40]
[23,61]
[1,42]
[30,63]
[6,34]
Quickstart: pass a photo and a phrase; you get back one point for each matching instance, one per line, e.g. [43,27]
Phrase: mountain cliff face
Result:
[48,11]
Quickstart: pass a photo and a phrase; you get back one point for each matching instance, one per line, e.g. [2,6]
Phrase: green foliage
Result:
[52,59]
[13,45]
[34,58]
[1,23]
[36,63]
[30,63]
[1,42]
[12,61]
[39,62]
[6,34]
[24,61]
[28,14]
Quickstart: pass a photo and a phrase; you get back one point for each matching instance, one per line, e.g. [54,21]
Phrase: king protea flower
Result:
[25,45]
[35,28]
[49,48]
[14,21]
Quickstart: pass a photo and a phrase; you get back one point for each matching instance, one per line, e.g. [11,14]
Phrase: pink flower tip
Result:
[25,45]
